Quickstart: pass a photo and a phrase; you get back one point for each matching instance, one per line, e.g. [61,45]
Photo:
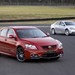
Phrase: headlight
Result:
[72,28]
[29,46]
[59,44]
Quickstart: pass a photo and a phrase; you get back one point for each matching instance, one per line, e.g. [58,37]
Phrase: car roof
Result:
[21,27]
[65,21]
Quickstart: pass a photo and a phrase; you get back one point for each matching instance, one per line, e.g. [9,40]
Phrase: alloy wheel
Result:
[53,31]
[20,55]
[67,32]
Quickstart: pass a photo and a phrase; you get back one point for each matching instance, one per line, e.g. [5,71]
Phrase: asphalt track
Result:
[64,66]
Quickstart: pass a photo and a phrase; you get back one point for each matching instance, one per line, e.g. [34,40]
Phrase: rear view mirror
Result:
[12,37]
[47,34]
[63,25]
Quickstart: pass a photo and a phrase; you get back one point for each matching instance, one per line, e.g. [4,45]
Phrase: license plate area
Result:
[50,53]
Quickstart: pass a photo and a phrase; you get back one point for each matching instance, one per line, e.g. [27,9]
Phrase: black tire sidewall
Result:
[67,31]
[17,56]
[52,31]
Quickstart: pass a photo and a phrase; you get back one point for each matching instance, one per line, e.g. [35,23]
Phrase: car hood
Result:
[71,26]
[40,41]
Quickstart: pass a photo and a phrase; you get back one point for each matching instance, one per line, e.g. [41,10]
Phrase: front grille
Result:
[49,55]
[51,47]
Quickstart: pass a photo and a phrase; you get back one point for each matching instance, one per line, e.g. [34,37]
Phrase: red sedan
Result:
[28,42]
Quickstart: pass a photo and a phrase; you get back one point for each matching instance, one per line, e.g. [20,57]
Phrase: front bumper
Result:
[72,31]
[40,57]
[46,55]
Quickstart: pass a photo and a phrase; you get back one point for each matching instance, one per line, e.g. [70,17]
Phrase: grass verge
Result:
[31,12]
[25,12]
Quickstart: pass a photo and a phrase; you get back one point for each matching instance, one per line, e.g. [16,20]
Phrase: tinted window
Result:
[3,32]
[11,32]
[30,33]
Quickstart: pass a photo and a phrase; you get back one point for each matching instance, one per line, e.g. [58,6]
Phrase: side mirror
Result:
[47,34]
[12,37]
[63,25]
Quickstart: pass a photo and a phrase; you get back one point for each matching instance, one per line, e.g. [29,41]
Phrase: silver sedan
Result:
[63,27]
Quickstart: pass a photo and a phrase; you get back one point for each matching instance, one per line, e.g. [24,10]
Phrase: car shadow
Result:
[7,57]
[13,59]
[43,61]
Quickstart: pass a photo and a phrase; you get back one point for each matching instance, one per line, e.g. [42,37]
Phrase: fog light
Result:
[34,55]
[61,55]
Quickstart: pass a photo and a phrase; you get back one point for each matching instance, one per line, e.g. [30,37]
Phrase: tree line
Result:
[37,2]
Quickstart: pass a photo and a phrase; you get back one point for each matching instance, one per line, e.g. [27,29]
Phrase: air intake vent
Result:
[51,47]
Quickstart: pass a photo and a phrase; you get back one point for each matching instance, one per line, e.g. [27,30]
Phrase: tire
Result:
[57,58]
[20,54]
[67,32]
[53,31]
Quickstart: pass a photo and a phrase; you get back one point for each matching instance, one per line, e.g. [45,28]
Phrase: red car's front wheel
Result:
[20,54]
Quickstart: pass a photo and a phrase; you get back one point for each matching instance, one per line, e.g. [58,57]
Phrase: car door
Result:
[61,27]
[11,42]
[57,27]
[3,34]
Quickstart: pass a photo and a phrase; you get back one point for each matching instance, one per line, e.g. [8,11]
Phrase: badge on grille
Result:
[49,46]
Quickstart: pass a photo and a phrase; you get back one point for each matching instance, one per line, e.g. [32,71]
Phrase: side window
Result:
[61,23]
[3,32]
[57,23]
[10,32]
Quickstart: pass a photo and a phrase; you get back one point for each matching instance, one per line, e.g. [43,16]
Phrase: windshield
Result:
[30,33]
[70,23]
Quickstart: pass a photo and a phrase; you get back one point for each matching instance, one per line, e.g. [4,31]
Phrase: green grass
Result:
[11,12]
[29,12]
